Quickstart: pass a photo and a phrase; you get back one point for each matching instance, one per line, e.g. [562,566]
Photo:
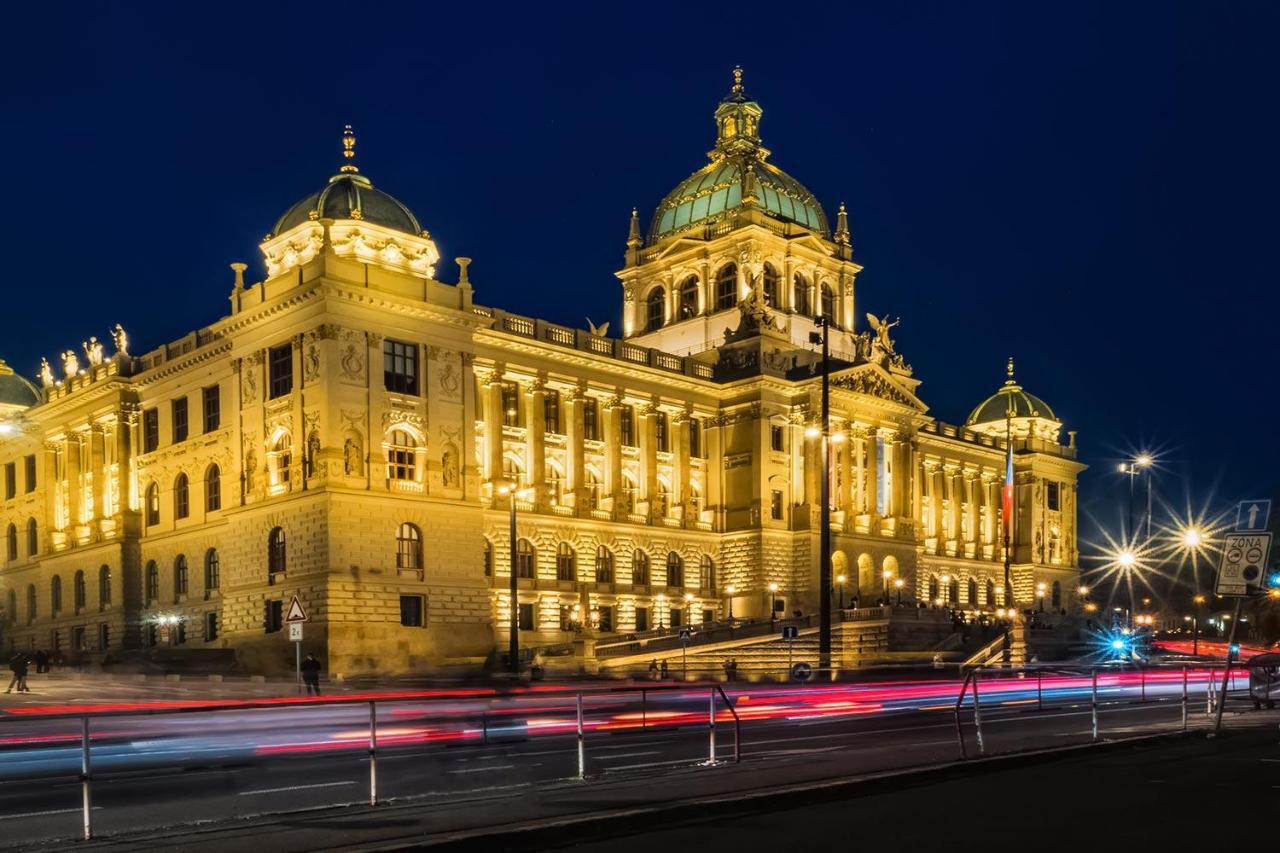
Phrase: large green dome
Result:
[15,390]
[1010,401]
[736,177]
[350,195]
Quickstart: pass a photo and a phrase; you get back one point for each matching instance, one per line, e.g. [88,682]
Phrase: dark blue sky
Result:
[1090,187]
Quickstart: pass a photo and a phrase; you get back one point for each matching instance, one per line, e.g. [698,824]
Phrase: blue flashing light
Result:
[1118,645]
[1274,580]
[1234,648]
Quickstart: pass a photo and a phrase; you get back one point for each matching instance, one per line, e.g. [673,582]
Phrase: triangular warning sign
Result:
[296,613]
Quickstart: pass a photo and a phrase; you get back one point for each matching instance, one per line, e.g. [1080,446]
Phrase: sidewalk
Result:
[529,817]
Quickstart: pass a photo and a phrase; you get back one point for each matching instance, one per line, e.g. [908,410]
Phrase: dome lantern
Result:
[1014,409]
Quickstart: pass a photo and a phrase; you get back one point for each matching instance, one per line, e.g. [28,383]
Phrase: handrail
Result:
[964,685]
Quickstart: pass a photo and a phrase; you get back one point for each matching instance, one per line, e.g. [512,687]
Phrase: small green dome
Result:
[736,177]
[350,195]
[14,390]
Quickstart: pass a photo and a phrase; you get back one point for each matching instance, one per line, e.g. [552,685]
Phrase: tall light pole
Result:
[840,580]
[662,600]
[1198,601]
[730,590]
[898,584]
[513,643]
[824,534]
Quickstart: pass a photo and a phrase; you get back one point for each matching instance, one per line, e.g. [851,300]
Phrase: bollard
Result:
[582,744]
[373,754]
[977,716]
[85,794]
[1095,704]
[1208,692]
[1184,697]
[711,727]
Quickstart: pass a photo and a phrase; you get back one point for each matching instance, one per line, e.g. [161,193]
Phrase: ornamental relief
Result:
[396,417]
[310,359]
[352,361]
[249,385]
[873,385]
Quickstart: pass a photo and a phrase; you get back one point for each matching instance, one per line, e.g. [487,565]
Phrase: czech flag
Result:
[1007,503]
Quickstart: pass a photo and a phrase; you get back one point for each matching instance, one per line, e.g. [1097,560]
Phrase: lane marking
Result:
[42,814]
[627,755]
[490,767]
[291,788]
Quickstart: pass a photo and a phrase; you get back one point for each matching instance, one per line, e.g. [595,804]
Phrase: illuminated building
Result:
[341,433]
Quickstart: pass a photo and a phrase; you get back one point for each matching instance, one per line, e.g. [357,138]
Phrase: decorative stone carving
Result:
[311,359]
[352,455]
[352,361]
[70,364]
[872,384]
[120,340]
[93,351]
[449,466]
[46,374]
[394,417]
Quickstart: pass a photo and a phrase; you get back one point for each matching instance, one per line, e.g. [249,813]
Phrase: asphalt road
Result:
[1190,795]
[158,771]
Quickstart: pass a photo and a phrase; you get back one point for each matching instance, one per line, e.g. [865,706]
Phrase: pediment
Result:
[874,381]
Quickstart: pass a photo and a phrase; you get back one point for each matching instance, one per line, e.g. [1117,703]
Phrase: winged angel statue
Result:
[881,326]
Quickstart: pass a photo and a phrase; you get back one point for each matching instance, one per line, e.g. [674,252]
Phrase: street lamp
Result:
[773,591]
[730,590]
[1040,589]
[840,581]
[899,583]
[662,600]
[688,608]
[824,537]
[510,491]
[1142,462]
[887,574]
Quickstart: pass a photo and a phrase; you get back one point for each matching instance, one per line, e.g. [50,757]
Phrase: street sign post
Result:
[801,671]
[1253,515]
[1244,560]
[294,617]
[686,634]
[790,633]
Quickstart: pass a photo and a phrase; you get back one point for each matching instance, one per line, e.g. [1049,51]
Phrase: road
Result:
[1195,794]
[158,770]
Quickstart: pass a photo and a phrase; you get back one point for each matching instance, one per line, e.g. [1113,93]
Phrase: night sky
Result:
[1089,187]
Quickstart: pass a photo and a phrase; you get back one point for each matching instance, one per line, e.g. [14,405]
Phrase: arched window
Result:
[675,569]
[555,482]
[566,563]
[991,593]
[604,565]
[1057,595]
[152,503]
[78,591]
[31,603]
[488,558]
[771,280]
[829,304]
[33,538]
[654,309]
[212,571]
[727,287]
[524,559]
[933,589]
[662,500]
[213,489]
[592,491]
[409,547]
[800,299]
[689,298]
[55,595]
[280,459]
[707,574]
[973,591]
[277,553]
[181,577]
[104,587]
[181,497]
[153,582]
[640,568]
[402,456]
[953,592]
[11,542]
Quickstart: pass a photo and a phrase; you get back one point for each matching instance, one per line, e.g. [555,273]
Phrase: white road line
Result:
[42,814]
[291,788]
[626,755]
[490,767]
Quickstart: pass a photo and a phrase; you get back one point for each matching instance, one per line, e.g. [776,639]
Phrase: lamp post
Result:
[840,580]
[730,590]
[1198,600]
[1126,560]
[688,608]
[887,575]
[662,601]
[898,584]
[1040,588]
[1144,462]
[824,535]
[773,590]
[513,645]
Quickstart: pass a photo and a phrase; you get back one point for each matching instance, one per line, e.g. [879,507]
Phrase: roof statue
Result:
[92,351]
[881,326]
[46,374]
[599,331]
[120,339]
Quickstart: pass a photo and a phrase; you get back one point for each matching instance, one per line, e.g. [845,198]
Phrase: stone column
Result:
[574,475]
[935,501]
[858,444]
[647,424]
[97,464]
[492,425]
[844,500]
[75,465]
[971,490]
[680,464]
[51,484]
[873,473]
[535,438]
[901,477]
[917,486]
[612,486]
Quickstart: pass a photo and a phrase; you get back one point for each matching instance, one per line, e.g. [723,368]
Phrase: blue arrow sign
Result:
[1253,515]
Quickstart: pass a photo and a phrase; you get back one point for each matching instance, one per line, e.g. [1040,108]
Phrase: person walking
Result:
[663,671]
[311,675]
[18,666]
[42,661]
[653,669]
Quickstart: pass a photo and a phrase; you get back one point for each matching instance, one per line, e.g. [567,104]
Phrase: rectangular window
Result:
[695,438]
[591,420]
[153,633]
[279,371]
[180,632]
[400,367]
[31,472]
[150,430]
[566,617]
[510,404]
[274,616]
[411,609]
[606,618]
[104,637]
[179,419]
[1052,496]
[775,505]
[662,431]
[210,626]
[526,617]
[677,617]
[776,438]
[211,405]
[551,412]
[642,619]
[708,616]
[77,639]
[10,480]
[627,425]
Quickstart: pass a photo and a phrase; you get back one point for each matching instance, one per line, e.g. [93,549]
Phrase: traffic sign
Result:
[295,632]
[801,671]
[686,634]
[790,632]
[1244,560]
[295,612]
[1253,515]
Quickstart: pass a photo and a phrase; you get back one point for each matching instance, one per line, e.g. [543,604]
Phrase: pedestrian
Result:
[662,673]
[18,666]
[653,670]
[42,661]
[311,675]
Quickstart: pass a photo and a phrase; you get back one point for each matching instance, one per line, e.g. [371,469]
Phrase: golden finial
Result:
[737,80]
[5,370]
[348,150]
[1009,372]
